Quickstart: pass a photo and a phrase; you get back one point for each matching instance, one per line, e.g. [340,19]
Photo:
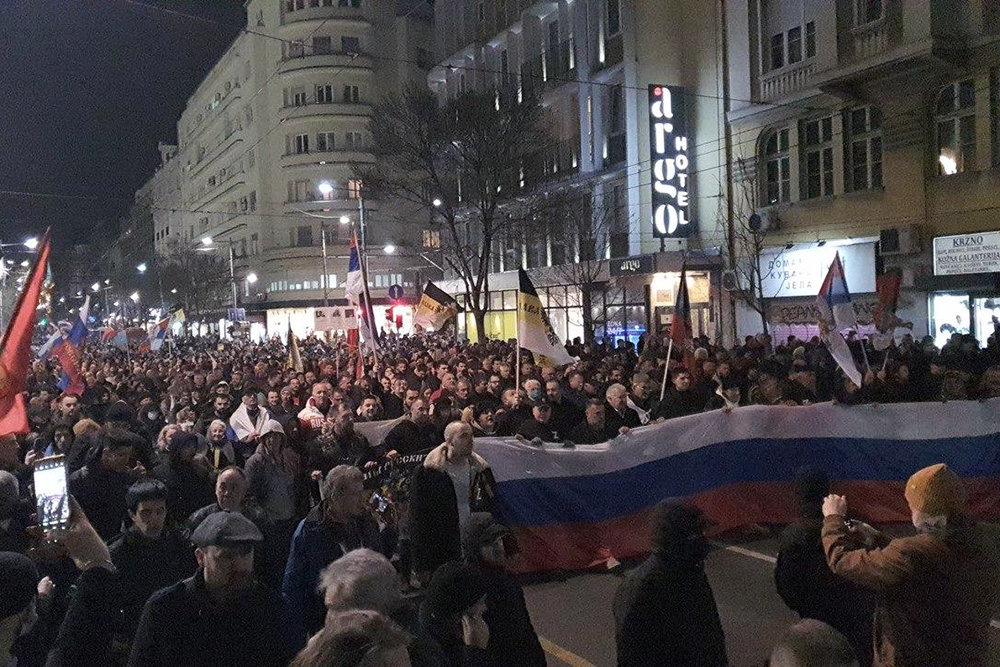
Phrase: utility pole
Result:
[326,270]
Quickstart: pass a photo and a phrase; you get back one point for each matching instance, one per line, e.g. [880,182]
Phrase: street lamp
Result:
[251,277]
[389,249]
[436,202]
[206,241]
[32,243]
[141,268]
[325,189]
[344,220]
[134,296]
[96,287]
[25,264]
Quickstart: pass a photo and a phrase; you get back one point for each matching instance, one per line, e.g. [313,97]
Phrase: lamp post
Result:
[208,244]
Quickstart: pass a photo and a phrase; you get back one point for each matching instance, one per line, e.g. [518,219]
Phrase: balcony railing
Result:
[334,59]
[870,39]
[323,13]
[785,80]
[336,156]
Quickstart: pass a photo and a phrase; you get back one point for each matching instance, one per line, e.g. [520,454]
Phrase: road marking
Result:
[563,654]
[746,552]
[772,560]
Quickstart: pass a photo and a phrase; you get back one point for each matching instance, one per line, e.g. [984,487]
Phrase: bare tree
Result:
[749,233]
[200,278]
[470,162]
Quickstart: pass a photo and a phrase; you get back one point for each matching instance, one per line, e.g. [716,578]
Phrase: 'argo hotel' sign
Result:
[671,162]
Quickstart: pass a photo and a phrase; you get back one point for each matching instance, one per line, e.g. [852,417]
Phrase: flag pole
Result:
[666,368]
[517,339]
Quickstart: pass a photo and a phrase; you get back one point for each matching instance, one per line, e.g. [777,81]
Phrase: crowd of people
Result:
[226,510]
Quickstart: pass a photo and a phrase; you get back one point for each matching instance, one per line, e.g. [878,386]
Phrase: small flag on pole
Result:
[436,307]
[534,331]
[836,313]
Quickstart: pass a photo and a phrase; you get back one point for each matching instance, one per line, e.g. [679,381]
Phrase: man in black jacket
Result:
[665,612]
[413,435]
[593,429]
[489,547]
[539,426]
[102,484]
[804,580]
[680,400]
[220,616]
[150,555]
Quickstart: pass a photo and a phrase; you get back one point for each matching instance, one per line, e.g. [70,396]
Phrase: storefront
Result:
[963,295]
[791,277]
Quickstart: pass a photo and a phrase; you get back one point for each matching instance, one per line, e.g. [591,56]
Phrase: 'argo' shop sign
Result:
[671,162]
[967,253]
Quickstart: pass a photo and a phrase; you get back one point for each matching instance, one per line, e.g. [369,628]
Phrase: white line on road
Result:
[567,656]
[746,552]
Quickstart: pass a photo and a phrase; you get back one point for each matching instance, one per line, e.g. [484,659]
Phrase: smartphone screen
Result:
[51,493]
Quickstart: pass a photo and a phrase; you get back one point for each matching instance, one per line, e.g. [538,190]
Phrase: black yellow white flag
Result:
[435,308]
[534,331]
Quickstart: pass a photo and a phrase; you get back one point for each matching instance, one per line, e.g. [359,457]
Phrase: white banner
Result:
[335,318]
[799,271]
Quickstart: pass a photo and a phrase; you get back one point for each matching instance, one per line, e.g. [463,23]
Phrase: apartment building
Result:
[266,148]
[869,128]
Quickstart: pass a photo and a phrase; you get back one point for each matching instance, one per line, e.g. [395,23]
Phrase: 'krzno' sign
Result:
[671,162]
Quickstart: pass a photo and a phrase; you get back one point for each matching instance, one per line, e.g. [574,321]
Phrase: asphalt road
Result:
[573,616]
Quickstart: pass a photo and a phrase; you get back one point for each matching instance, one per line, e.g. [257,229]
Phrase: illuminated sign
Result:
[671,163]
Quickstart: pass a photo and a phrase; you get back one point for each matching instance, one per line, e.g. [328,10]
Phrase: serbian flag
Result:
[356,288]
[158,334]
[887,286]
[835,313]
[15,347]
[67,351]
[680,327]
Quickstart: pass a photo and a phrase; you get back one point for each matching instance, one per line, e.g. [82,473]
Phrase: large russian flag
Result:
[576,508]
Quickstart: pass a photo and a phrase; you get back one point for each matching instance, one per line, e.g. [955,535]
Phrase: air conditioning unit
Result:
[730,281]
[899,241]
[762,221]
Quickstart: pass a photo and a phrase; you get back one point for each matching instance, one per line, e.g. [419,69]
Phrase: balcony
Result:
[321,110]
[786,80]
[339,156]
[354,14]
[331,207]
[870,40]
[326,60]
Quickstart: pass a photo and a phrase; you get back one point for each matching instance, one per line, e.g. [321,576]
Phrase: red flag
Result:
[887,286]
[680,328]
[15,348]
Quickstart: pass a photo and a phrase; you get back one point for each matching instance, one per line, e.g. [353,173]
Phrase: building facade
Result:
[870,125]
[266,151]
[599,68]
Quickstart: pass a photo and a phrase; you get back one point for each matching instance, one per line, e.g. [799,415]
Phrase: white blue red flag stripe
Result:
[836,312]
[576,508]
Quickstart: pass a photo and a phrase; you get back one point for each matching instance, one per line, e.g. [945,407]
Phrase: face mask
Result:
[535,395]
[152,414]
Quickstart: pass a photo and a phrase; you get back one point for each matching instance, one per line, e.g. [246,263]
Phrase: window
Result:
[614,17]
[353,141]
[863,168]
[300,144]
[249,115]
[243,204]
[251,160]
[776,167]
[352,94]
[295,97]
[353,189]
[794,45]
[955,126]
[350,44]
[294,50]
[324,141]
[818,157]
[867,11]
[504,68]
[432,238]
[810,39]
[324,94]
[349,3]
[299,191]
[321,45]
[252,201]
[778,51]
[553,49]
[304,236]
[616,110]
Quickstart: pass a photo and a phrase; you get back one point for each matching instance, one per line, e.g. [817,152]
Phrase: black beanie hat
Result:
[18,581]
[454,588]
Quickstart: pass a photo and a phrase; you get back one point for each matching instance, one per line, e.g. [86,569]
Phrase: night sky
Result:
[87,89]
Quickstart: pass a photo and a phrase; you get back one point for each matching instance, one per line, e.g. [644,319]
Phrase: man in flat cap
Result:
[221,615]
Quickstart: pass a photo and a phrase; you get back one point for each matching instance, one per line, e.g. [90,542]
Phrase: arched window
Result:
[955,127]
[776,167]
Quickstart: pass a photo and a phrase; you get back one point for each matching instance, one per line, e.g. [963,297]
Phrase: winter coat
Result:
[443,645]
[189,487]
[513,640]
[810,589]
[145,566]
[936,593]
[435,535]
[317,542]
[407,437]
[679,404]
[182,625]
[665,614]
[101,494]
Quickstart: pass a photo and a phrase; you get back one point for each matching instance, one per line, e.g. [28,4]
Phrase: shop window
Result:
[817,157]
[955,127]
[863,168]
[867,11]
[776,167]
